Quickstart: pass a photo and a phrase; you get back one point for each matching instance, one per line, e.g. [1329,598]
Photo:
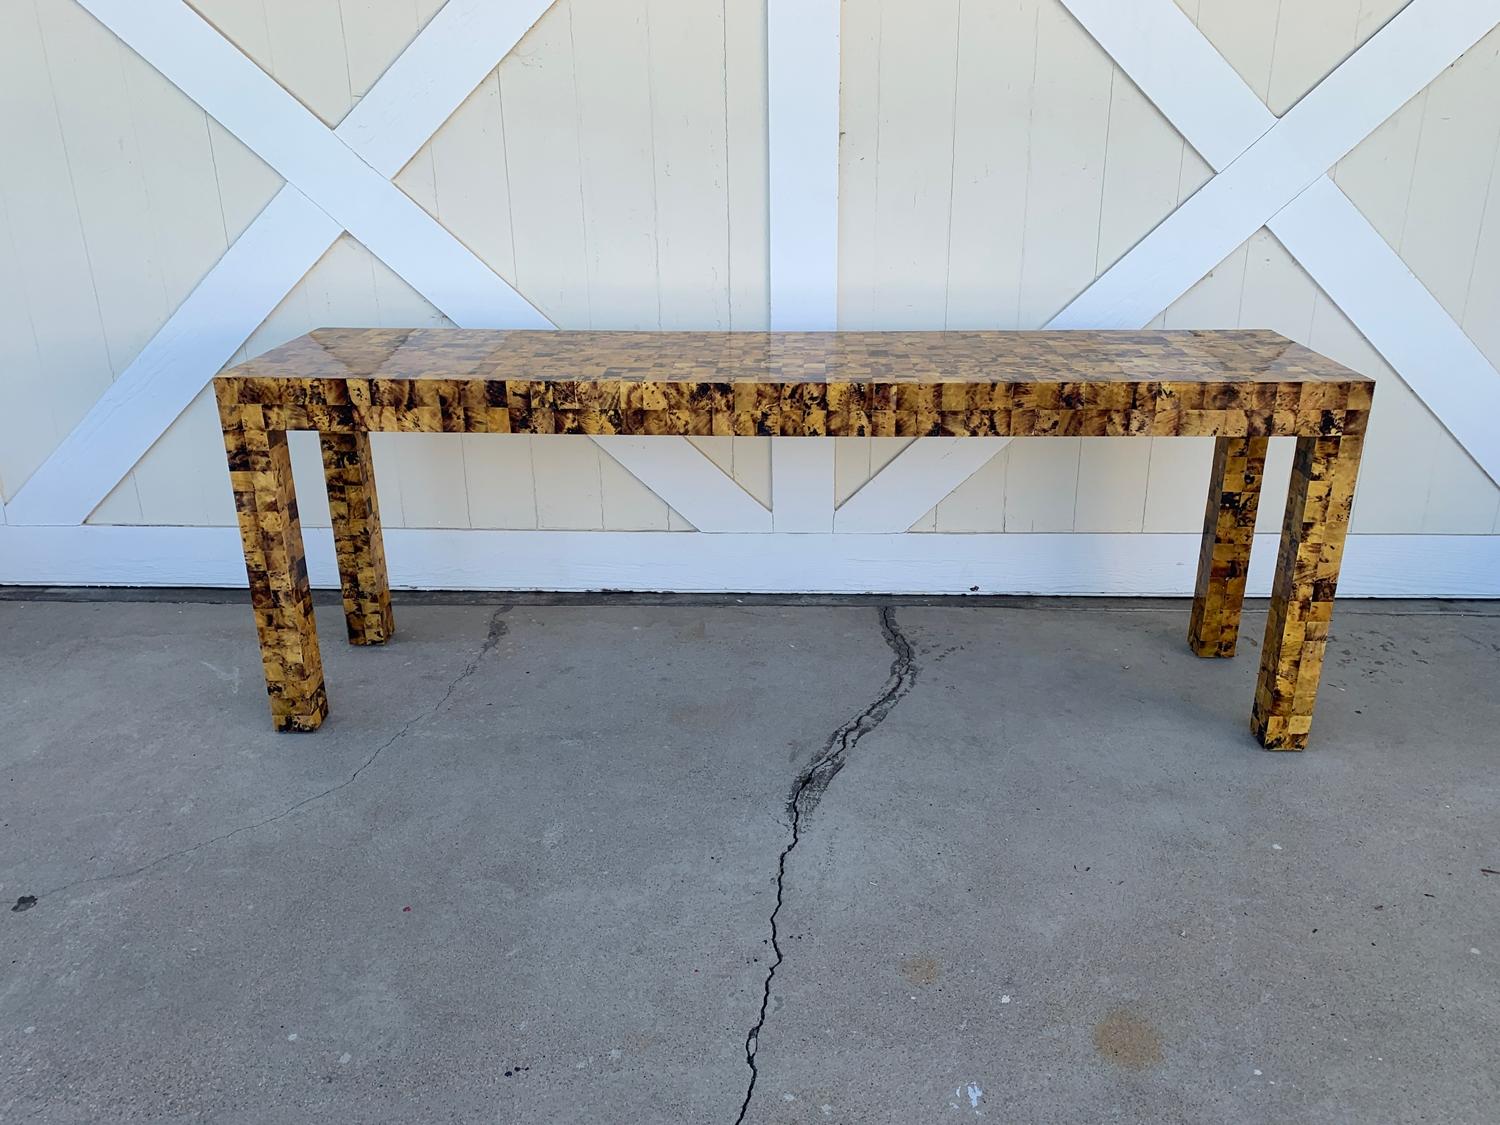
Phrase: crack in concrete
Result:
[496,631]
[807,793]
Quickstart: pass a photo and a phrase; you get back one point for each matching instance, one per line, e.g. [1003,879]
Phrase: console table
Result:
[1239,387]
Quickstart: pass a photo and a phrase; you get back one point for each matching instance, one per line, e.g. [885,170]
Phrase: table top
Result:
[796,384]
[983,358]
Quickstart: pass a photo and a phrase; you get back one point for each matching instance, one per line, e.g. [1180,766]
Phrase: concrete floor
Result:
[527,870]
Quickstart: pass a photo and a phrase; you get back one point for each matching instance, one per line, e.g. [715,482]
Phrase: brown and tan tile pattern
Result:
[1238,386]
[260,471]
[1228,531]
[349,471]
[1307,572]
[833,384]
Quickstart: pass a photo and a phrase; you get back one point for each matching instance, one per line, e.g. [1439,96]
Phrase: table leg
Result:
[1228,530]
[260,469]
[350,473]
[1307,572]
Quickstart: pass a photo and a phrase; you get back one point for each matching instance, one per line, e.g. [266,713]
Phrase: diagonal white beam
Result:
[440,68]
[914,481]
[247,283]
[347,170]
[1392,67]
[226,83]
[417,93]
[699,490]
[1164,53]
[1400,317]
[1175,66]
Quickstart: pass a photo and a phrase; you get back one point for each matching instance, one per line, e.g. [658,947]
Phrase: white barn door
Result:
[521,163]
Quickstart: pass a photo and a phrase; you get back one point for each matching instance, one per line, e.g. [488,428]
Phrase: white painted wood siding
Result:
[994,162]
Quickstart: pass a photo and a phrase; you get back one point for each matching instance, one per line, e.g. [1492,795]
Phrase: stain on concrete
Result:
[920,969]
[1126,1040]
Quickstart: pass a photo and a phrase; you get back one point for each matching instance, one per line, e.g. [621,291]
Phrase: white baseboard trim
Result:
[1453,566]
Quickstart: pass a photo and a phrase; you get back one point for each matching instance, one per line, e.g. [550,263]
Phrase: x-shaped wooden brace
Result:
[1272,173]
[336,180]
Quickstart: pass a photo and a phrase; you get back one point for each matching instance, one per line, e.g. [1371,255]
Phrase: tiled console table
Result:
[1239,387]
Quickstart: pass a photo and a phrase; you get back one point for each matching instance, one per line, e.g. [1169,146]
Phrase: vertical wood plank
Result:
[858,298]
[1178,467]
[1040,486]
[859,159]
[540,118]
[244,23]
[307,53]
[1214,299]
[470,181]
[918,69]
[1483,296]
[627,504]
[686,51]
[1069,137]
[851,467]
[185,220]
[19,368]
[1142,172]
[619,199]
[1451,176]
[72,364]
[1143,183]
[752,467]
[745,163]
[246,182]
[1277,292]
[567,499]
[375,32]
[1376,173]
[497,474]
[1311,39]
[991,155]
[1112,478]
[1245,34]
[978,504]
[432,479]
[719,450]
[802,484]
[87,73]
[178,481]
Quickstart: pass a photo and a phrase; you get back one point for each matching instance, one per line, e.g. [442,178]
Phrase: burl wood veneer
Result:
[1239,387]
